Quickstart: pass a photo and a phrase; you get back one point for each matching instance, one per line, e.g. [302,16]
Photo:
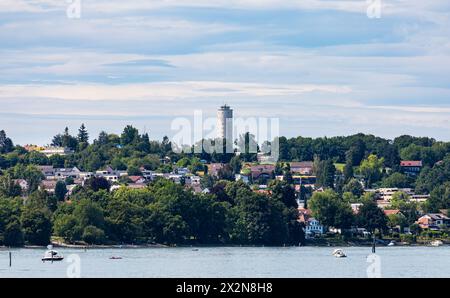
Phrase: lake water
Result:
[231,262]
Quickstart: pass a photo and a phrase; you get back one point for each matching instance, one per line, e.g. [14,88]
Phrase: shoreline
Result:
[155,246]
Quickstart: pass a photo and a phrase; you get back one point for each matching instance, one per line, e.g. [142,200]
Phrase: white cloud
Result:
[160,91]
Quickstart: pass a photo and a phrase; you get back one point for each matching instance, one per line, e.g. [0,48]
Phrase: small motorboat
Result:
[115,258]
[339,253]
[436,243]
[392,243]
[52,256]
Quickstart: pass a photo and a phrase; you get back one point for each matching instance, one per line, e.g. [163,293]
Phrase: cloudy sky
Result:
[322,67]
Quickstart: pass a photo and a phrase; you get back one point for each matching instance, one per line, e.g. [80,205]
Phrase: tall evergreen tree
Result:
[325,172]
[6,144]
[83,136]
[348,168]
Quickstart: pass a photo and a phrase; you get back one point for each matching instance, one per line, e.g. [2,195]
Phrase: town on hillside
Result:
[129,189]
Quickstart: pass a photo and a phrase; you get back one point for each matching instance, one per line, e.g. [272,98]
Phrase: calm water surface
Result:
[232,262]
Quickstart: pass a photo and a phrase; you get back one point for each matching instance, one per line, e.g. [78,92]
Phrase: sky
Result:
[322,67]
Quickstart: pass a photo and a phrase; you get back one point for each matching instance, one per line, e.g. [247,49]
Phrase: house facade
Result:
[411,167]
[302,168]
[433,221]
[314,227]
[262,171]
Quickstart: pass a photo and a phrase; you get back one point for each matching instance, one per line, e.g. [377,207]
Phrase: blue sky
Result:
[321,66]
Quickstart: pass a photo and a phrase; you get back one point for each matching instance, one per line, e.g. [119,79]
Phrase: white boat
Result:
[392,243]
[436,243]
[339,253]
[52,255]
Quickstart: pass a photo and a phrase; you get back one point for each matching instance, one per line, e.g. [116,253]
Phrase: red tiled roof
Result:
[261,169]
[390,212]
[411,163]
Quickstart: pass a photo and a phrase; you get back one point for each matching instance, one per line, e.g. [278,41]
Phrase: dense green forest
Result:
[232,213]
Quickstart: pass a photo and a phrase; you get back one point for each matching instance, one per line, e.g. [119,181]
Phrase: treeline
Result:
[162,213]
[353,149]
[131,150]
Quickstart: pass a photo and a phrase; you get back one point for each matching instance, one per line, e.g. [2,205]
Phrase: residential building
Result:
[111,175]
[31,148]
[433,221]
[137,179]
[411,167]
[299,181]
[65,173]
[182,171]
[22,183]
[306,181]
[214,168]
[312,226]
[262,171]
[174,177]
[147,174]
[48,185]
[419,198]
[190,180]
[50,151]
[86,175]
[302,168]
[384,195]
[47,171]
[107,171]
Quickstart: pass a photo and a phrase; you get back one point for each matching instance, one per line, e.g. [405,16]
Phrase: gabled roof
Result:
[437,216]
[135,178]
